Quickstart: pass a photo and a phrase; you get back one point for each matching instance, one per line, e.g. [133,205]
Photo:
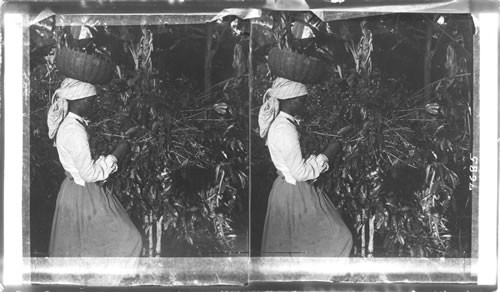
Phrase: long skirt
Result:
[302,222]
[88,222]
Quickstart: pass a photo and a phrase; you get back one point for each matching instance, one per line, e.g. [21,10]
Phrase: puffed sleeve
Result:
[90,170]
[287,143]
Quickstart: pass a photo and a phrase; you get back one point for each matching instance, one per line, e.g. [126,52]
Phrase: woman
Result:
[88,222]
[301,220]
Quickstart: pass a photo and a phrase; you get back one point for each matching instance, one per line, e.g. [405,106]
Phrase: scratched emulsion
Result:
[235,271]
[364,270]
[142,271]
[26,139]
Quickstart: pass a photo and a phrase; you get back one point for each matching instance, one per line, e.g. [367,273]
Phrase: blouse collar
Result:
[78,118]
[290,117]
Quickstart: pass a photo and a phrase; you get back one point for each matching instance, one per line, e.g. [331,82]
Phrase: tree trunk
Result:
[363,228]
[209,54]
[358,232]
[371,230]
[147,230]
[150,235]
[159,232]
[427,59]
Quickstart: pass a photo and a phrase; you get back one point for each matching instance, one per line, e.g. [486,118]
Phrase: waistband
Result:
[79,182]
[290,180]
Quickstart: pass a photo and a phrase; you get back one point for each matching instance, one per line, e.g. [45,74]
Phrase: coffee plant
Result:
[397,94]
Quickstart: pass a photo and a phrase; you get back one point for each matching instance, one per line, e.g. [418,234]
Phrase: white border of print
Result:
[487,262]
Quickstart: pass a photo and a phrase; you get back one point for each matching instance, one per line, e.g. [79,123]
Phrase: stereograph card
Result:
[309,141]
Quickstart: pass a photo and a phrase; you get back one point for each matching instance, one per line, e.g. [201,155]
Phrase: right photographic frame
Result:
[365,148]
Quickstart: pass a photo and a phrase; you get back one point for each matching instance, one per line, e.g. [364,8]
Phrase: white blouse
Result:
[284,147]
[74,153]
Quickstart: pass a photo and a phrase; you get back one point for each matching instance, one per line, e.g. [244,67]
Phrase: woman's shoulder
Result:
[69,128]
[283,121]
[282,127]
[71,123]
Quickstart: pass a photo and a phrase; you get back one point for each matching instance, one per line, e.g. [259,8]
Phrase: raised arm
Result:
[300,168]
[90,170]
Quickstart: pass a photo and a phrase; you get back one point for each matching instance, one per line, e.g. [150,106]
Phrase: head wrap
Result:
[282,89]
[71,89]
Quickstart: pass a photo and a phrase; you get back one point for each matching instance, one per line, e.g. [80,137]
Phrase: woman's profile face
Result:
[300,105]
[89,105]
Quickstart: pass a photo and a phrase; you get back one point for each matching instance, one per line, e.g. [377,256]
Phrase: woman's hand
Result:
[332,149]
[121,150]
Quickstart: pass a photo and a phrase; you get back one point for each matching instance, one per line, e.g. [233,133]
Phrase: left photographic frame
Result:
[177,91]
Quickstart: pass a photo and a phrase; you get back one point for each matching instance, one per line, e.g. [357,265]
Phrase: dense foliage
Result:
[187,169]
[397,95]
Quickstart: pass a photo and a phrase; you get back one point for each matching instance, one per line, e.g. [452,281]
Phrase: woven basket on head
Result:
[84,67]
[295,66]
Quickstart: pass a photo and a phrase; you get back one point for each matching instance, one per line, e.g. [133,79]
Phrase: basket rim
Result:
[65,56]
[314,67]
[73,51]
[289,51]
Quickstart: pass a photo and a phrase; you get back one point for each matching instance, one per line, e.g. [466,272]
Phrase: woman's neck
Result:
[76,112]
[288,111]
